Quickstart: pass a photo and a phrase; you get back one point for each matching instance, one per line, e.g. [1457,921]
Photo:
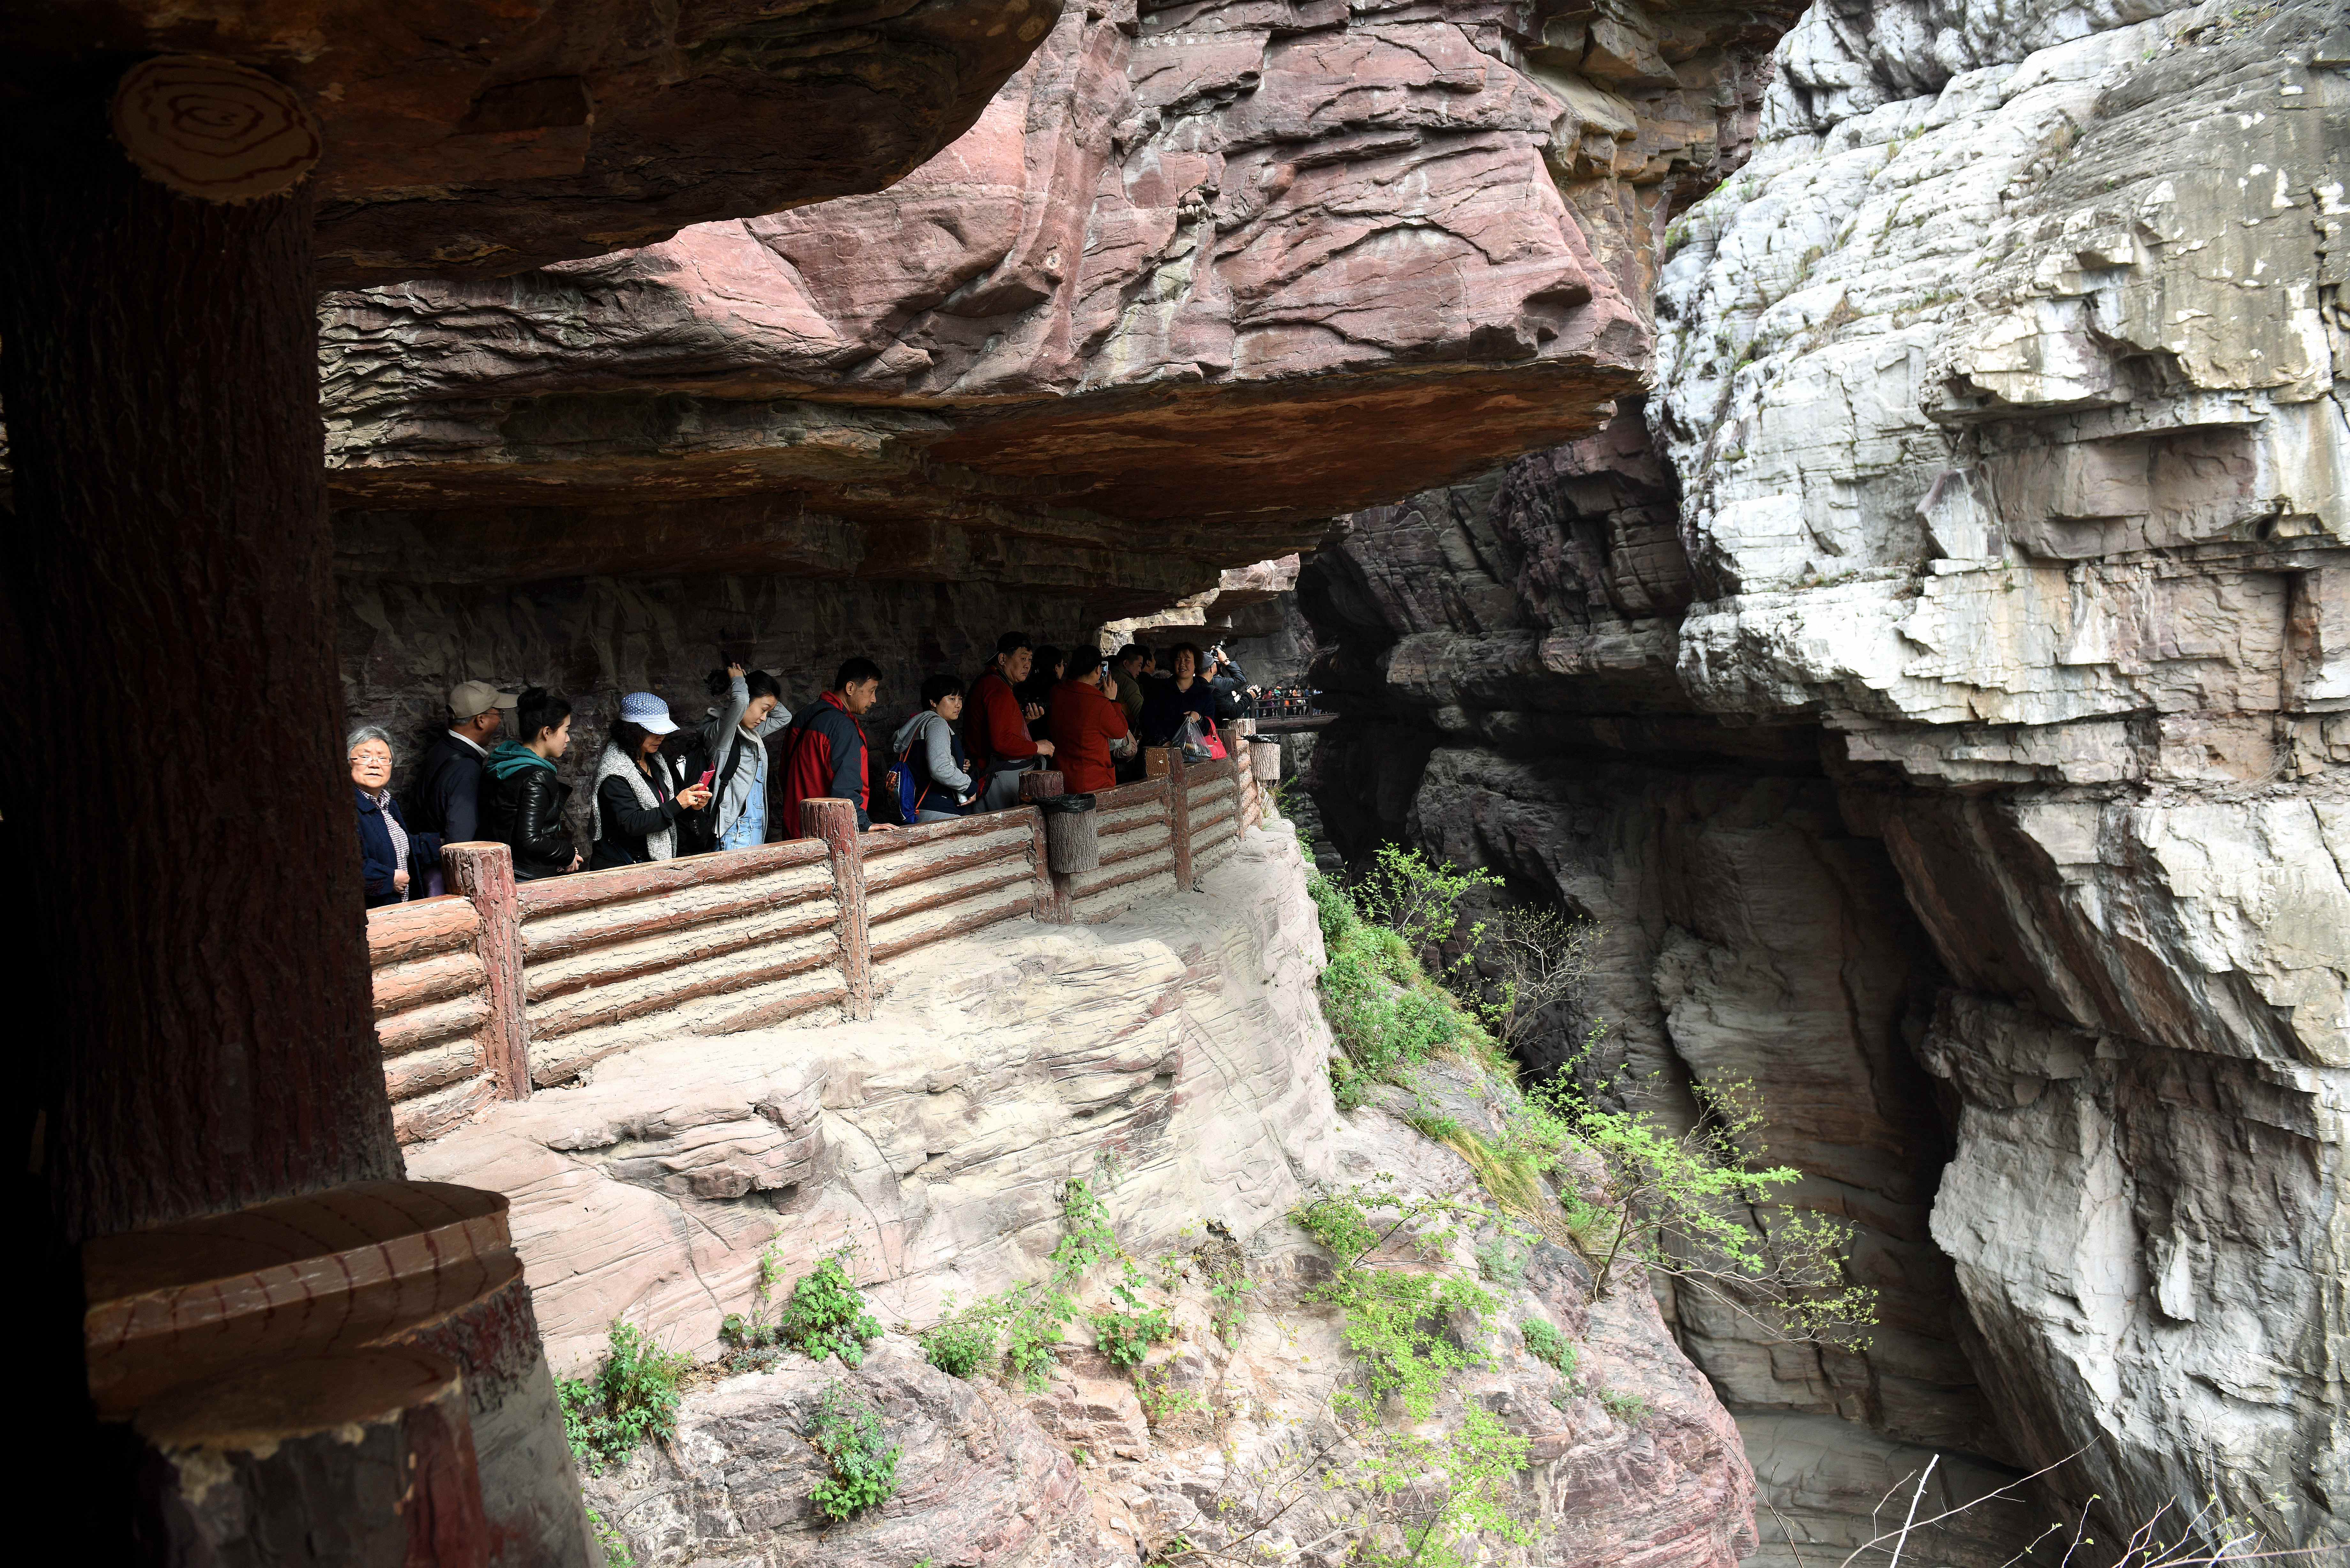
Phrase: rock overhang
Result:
[1201,277]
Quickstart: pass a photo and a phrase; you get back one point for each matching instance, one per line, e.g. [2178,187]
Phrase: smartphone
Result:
[704,783]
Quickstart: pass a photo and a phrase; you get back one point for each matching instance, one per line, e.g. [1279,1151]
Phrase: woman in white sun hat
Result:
[637,795]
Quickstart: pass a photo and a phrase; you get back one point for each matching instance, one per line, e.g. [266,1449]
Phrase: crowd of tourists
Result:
[738,779]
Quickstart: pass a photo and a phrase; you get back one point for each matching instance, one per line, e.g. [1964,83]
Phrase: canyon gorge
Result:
[1935,687]
[1852,500]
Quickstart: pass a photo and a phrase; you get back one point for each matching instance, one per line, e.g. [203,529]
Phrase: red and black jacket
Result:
[824,757]
[994,732]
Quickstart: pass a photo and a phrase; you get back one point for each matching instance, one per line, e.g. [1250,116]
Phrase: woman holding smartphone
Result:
[638,794]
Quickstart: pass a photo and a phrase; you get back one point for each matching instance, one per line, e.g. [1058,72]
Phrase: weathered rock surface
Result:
[1993,523]
[978,1481]
[1079,1472]
[1177,1057]
[1200,274]
[1183,1038]
[468,137]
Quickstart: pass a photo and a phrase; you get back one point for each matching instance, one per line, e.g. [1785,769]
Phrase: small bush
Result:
[1625,1407]
[1162,1402]
[631,1395]
[1029,1322]
[1396,1318]
[960,1346]
[1038,1323]
[1416,899]
[1545,1343]
[1228,1304]
[847,1432]
[1687,1202]
[615,1544]
[1387,1015]
[826,1315]
[1126,1336]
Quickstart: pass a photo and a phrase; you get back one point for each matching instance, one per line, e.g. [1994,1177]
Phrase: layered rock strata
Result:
[1176,1056]
[1200,274]
[1942,713]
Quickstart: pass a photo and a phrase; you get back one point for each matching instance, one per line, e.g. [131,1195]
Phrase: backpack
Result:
[905,790]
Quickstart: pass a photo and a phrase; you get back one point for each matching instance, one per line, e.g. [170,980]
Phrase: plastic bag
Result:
[1199,743]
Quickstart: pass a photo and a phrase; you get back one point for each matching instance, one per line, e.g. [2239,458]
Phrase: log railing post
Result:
[835,822]
[1052,891]
[483,875]
[1178,816]
[1235,733]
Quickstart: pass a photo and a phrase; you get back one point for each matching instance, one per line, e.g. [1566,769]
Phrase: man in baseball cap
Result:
[471,699]
[448,788]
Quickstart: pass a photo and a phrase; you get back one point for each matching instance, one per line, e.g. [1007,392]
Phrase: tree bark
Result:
[198,912]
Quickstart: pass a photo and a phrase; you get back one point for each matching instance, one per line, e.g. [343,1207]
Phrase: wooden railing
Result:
[502,986]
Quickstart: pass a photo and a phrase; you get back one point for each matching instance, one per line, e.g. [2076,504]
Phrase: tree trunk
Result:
[178,760]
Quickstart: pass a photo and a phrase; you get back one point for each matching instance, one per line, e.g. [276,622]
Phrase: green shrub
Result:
[615,1544]
[1446,1496]
[1125,1335]
[1228,1302]
[847,1432]
[960,1346]
[1416,898]
[1037,1324]
[631,1395]
[1545,1343]
[1025,1326]
[1691,1203]
[1395,1318]
[826,1315]
[1385,1014]
[1625,1407]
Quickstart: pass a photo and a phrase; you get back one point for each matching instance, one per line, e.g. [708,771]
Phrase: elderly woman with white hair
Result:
[393,860]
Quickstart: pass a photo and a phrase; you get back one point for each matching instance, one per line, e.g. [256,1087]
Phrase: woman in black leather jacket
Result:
[522,800]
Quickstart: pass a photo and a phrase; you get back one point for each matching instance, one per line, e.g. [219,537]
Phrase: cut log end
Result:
[213,130]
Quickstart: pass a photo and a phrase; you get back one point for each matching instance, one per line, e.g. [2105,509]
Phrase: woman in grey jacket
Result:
[735,739]
[940,769]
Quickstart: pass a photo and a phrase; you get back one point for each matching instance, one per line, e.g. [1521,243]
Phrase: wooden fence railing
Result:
[501,986]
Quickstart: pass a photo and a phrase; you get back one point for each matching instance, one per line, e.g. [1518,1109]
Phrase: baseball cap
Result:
[647,712]
[471,698]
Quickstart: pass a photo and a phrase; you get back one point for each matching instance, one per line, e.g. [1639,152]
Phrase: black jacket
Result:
[1163,707]
[445,796]
[526,811]
[626,824]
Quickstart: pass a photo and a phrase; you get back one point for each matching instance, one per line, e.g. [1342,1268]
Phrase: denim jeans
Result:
[750,830]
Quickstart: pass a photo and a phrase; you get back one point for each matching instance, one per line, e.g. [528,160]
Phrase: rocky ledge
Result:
[1175,1057]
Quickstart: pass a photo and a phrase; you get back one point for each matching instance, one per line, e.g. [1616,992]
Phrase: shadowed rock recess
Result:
[1939,689]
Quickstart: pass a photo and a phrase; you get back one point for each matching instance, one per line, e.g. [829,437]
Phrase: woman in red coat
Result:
[1085,718]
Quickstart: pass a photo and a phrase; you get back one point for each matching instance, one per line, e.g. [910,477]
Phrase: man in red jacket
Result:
[995,725]
[824,753]
[1085,718]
